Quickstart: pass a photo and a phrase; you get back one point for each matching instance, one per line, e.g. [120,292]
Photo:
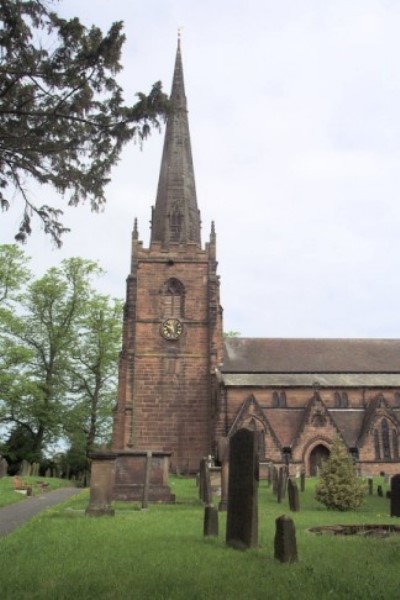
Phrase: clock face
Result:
[171,329]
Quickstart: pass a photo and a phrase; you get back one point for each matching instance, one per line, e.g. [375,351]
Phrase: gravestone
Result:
[285,546]
[282,481]
[293,494]
[379,491]
[370,486]
[269,474]
[395,496]
[223,456]
[302,481]
[210,521]
[3,467]
[24,469]
[242,517]
[205,483]
[101,484]
[387,479]
[146,484]
[275,480]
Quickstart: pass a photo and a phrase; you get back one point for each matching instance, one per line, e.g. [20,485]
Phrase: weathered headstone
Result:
[223,456]
[293,494]
[146,485]
[242,517]
[370,486]
[210,521]
[285,545]
[24,469]
[3,467]
[205,483]
[101,484]
[302,481]
[379,491]
[269,474]
[282,481]
[387,479]
[275,480]
[395,496]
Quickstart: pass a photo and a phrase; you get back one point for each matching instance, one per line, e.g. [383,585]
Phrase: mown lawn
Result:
[161,554]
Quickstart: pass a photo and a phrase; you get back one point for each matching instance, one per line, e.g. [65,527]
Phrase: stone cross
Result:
[242,517]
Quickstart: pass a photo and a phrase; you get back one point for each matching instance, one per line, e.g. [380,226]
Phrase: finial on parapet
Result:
[135,233]
[212,234]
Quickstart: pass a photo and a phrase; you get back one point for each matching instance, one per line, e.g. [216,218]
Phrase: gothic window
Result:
[279,399]
[397,400]
[175,224]
[395,444]
[341,400]
[173,298]
[385,439]
[377,445]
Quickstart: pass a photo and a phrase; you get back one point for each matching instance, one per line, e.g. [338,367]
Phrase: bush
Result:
[339,488]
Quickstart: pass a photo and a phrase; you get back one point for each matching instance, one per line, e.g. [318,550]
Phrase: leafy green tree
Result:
[47,330]
[339,488]
[63,120]
[94,374]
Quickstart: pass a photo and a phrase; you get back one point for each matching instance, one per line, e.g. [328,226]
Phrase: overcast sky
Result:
[294,110]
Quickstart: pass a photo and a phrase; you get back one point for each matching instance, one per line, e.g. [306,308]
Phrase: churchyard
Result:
[161,553]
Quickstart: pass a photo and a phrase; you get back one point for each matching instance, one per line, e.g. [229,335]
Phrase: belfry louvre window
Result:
[173,298]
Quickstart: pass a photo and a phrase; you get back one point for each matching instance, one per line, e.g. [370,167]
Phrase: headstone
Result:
[3,467]
[293,494]
[205,483]
[146,485]
[275,480]
[285,545]
[223,456]
[242,517]
[387,479]
[210,521]
[282,483]
[302,482]
[395,496]
[370,486]
[269,474]
[24,469]
[379,491]
[101,484]
[388,494]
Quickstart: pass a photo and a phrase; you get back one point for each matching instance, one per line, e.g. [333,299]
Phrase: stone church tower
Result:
[172,333]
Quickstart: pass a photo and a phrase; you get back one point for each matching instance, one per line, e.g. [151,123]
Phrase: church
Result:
[183,386]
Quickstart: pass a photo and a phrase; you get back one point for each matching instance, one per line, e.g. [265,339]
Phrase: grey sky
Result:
[295,125]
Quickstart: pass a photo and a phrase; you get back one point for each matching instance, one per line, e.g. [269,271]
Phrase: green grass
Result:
[161,554]
[9,496]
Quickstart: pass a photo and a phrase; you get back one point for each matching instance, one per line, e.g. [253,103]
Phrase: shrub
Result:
[339,488]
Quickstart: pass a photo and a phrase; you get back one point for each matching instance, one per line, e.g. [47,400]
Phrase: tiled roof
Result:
[274,355]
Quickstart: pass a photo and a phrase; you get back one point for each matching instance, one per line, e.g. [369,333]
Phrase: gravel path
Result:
[14,515]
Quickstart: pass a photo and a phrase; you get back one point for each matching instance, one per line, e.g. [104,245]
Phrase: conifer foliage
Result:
[63,119]
[339,488]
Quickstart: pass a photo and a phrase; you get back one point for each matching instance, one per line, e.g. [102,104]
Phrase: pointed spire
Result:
[176,217]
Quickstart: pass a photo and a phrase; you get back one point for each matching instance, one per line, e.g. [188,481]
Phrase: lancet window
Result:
[173,298]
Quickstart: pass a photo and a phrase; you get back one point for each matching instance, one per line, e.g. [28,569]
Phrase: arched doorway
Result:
[317,455]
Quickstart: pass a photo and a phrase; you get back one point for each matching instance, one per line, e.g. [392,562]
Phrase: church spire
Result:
[176,217]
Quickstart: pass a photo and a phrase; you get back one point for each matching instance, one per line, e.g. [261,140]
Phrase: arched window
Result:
[173,298]
[377,445]
[395,445]
[341,400]
[385,440]
[279,399]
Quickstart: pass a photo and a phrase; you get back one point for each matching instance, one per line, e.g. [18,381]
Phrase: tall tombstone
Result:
[285,546]
[242,517]
[275,480]
[223,456]
[370,486]
[210,526]
[379,491]
[101,484]
[395,496]
[302,481]
[293,494]
[205,482]
[3,467]
[282,480]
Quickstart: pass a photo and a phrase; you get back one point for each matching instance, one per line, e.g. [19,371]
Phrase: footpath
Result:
[14,515]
